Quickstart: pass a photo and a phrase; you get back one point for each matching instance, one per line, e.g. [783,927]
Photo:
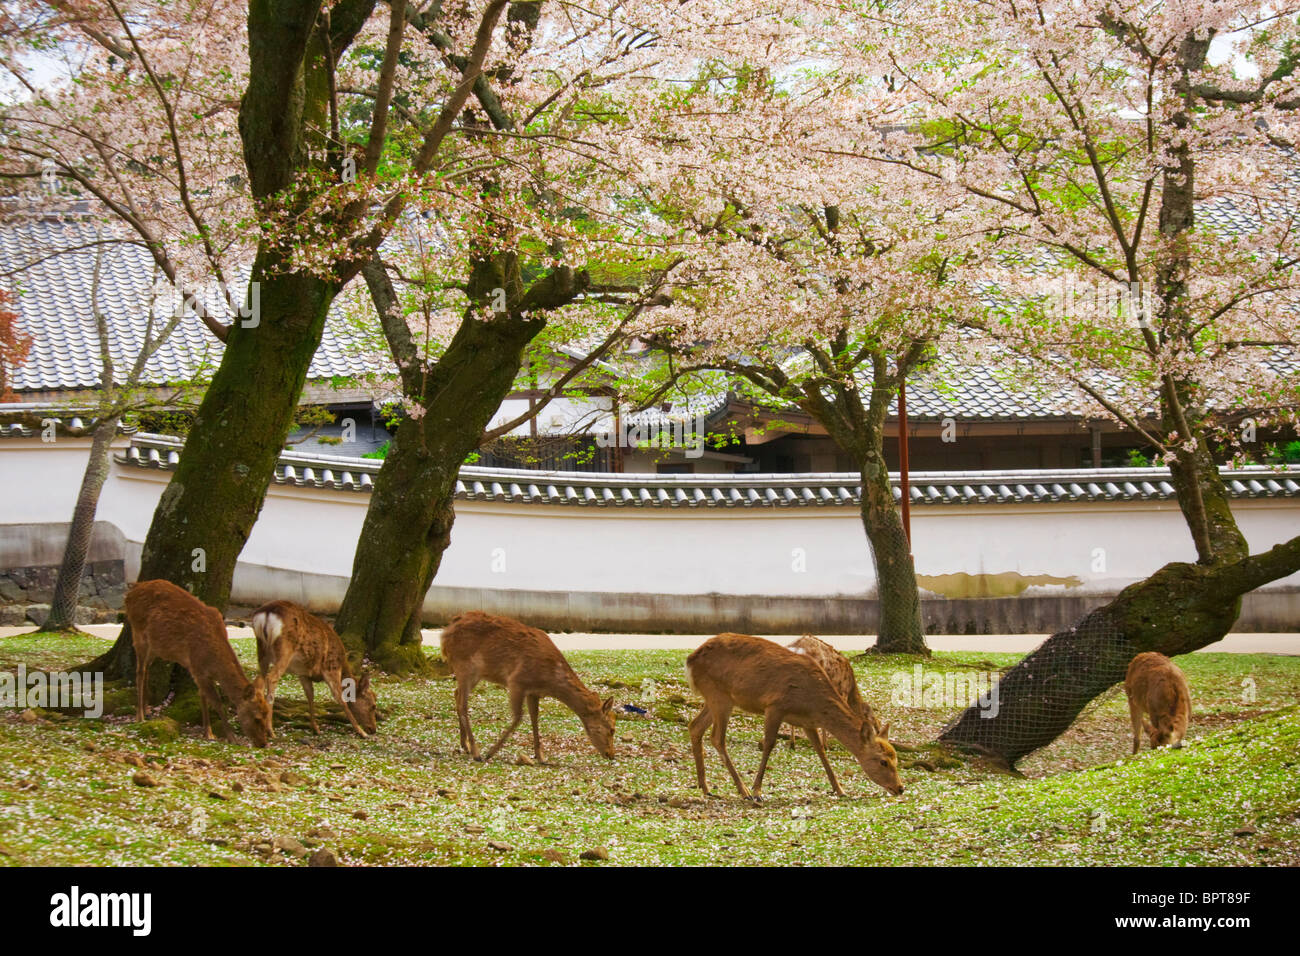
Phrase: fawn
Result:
[524,660]
[290,639]
[169,623]
[1157,686]
[762,677]
[840,672]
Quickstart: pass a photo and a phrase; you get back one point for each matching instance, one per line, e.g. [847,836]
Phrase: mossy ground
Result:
[1232,796]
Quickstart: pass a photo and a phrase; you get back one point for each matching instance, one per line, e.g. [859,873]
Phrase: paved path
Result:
[1005,643]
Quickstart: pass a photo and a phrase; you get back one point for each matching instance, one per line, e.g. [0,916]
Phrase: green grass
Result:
[1232,796]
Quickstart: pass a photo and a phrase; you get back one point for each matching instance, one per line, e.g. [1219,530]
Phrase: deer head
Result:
[599,724]
[365,707]
[1162,732]
[254,713]
[878,759]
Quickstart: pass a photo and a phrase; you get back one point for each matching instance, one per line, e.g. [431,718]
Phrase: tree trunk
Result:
[900,630]
[67,587]
[408,523]
[1179,609]
[208,509]
[1203,498]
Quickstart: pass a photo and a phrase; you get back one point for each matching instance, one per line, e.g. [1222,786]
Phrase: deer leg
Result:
[209,699]
[334,682]
[1135,717]
[771,728]
[698,727]
[203,710]
[793,731]
[720,744]
[516,715]
[537,738]
[141,683]
[815,738]
[467,741]
[309,691]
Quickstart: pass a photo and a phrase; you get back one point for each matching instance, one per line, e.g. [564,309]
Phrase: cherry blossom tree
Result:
[256,134]
[1140,154]
[813,280]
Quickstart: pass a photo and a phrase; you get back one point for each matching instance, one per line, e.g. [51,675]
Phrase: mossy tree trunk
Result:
[208,509]
[215,495]
[857,426]
[408,524]
[900,630]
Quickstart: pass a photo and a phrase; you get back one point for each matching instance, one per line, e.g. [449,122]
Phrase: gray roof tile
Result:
[595,489]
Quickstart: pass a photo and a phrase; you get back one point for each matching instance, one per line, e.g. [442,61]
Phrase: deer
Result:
[525,661]
[840,672]
[1156,686]
[171,624]
[290,639]
[762,677]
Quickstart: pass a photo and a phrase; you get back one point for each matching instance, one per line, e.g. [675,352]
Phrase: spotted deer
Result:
[290,639]
[840,672]
[762,677]
[1157,687]
[526,662]
[169,623]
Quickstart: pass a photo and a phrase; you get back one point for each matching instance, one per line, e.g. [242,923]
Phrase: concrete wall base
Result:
[30,553]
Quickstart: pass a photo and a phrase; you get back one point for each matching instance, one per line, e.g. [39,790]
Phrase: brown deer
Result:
[529,666]
[840,672]
[1156,686]
[290,639]
[762,677]
[171,624]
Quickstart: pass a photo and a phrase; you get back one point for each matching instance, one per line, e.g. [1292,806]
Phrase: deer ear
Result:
[884,732]
[607,705]
[363,684]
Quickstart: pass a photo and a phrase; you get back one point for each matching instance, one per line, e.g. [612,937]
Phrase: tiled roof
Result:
[25,420]
[52,294]
[979,394]
[595,489]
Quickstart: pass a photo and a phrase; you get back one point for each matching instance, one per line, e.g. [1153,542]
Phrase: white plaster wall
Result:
[668,551]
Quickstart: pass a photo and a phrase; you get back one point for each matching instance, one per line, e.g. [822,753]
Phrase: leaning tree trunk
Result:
[406,530]
[900,630]
[1179,609]
[67,588]
[208,509]
[408,523]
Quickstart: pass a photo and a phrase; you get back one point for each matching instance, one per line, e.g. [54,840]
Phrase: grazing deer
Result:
[290,639]
[840,672]
[527,663]
[1156,686]
[762,677]
[169,623]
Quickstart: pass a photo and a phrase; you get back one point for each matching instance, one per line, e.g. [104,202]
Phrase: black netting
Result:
[1040,697]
